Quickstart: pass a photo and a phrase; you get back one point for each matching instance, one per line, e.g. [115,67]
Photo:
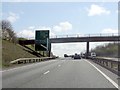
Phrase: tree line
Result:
[7,31]
[107,50]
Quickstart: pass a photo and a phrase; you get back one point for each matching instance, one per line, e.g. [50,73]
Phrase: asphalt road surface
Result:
[60,73]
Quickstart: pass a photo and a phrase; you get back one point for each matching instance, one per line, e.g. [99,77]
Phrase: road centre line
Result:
[59,65]
[108,78]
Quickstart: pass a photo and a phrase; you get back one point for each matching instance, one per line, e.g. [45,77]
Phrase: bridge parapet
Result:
[85,35]
[78,38]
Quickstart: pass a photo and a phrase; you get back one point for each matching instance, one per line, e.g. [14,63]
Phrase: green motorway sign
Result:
[42,40]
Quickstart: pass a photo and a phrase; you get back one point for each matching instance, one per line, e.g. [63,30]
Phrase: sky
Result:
[62,19]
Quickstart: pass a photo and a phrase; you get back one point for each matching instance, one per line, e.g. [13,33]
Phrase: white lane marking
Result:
[46,72]
[59,65]
[24,66]
[109,79]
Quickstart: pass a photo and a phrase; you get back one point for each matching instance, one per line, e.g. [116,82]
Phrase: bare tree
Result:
[7,31]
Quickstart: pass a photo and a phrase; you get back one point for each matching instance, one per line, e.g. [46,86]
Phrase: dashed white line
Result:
[46,72]
[59,65]
[109,79]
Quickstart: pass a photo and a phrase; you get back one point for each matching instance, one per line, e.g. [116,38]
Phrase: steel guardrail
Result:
[110,64]
[30,60]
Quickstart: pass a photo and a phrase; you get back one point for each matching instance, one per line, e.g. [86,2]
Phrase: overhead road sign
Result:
[41,40]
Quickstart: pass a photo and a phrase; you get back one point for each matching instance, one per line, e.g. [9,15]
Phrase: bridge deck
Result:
[75,39]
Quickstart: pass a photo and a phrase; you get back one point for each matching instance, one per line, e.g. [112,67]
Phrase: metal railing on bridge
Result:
[85,35]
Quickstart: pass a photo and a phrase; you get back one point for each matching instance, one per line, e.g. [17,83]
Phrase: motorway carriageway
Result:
[60,73]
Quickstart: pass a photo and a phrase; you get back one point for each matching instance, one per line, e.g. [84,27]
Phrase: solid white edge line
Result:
[46,72]
[109,79]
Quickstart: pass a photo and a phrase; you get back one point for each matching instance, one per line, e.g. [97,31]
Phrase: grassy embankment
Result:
[12,51]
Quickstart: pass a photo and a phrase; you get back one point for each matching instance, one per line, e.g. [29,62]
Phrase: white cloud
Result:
[52,34]
[43,28]
[63,26]
[31,27]
[26,33]
[97,10]
[68,48]
[109,30]
[30,32]
[12,17]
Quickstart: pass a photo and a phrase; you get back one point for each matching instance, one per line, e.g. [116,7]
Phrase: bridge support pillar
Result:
[49,50]
[87,50]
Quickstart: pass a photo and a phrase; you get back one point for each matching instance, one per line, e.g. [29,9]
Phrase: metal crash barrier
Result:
[110,64]
[29,60]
